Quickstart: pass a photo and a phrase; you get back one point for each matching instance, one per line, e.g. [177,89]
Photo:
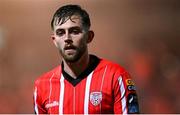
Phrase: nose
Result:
[68,38]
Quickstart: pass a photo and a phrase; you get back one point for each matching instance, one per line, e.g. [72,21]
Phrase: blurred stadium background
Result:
[141,35]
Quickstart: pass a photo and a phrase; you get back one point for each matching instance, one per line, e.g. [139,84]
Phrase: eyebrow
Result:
[74,27]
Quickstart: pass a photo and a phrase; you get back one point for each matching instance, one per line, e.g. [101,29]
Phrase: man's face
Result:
[71,39]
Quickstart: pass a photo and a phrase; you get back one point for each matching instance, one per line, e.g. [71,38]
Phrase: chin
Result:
[71,59]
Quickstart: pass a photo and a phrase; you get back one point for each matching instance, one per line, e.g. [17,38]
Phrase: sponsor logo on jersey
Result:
[129,82]
[131,87]
[95,98]
[53,104]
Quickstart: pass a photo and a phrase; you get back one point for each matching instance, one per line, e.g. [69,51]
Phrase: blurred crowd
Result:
[155,63]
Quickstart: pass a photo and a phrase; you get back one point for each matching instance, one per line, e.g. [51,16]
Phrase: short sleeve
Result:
[38,108]
[125,96]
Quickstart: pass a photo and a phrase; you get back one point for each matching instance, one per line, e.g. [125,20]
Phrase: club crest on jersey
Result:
[95,98]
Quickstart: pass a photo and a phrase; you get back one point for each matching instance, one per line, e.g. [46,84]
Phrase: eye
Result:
[60,32]
[75,30]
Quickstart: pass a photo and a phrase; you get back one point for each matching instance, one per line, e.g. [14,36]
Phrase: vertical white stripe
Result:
[103,77]
[123,97]
[74,101]
[102,85]
[61,95]
[50,87]
[87,90]
[35,99]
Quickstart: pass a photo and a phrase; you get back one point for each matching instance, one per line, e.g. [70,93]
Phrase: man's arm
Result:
[125,97]
[38,109]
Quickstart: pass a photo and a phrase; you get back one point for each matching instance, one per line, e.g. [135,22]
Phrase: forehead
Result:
[72,21]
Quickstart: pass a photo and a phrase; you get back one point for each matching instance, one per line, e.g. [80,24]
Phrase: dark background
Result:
[141,35]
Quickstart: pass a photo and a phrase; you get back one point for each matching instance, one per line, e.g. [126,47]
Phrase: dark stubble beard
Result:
[75,57]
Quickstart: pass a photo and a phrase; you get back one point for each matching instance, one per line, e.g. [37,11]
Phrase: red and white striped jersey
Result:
[104,87]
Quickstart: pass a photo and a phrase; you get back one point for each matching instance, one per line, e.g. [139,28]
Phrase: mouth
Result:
[69,49]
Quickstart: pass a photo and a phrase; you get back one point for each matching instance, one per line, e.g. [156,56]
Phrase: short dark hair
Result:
[65,12]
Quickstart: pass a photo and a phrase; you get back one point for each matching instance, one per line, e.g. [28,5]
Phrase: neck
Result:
[76,68]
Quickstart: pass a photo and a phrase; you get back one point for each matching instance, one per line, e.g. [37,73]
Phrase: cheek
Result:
[82,41]
[58,44]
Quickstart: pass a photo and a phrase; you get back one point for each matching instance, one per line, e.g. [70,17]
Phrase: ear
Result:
[90,36]
[53,38]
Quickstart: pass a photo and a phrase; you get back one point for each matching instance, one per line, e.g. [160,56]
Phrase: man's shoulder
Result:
[113,66]
[48,75]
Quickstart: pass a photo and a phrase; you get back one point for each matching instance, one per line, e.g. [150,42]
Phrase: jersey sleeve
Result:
[38,108]
[125,96]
